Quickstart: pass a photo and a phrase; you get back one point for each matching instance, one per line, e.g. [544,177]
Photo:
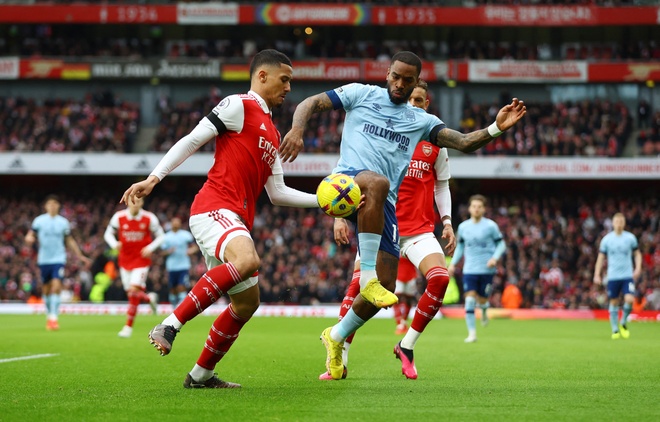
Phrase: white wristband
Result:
[446,221]
[494,131]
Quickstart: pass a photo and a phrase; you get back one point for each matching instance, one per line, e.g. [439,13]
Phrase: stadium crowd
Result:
[552,248]
[42,41]
[596,127]
[103,122]
[587,128]
[99,122]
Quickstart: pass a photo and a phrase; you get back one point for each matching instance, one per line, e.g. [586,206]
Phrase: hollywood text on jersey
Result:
[417,169]
[390,135]
[269,151]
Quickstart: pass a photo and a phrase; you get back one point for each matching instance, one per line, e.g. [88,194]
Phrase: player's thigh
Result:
[51,274]
[470,284]
[614,288]
[222,237]
[485,286]
[179,278]
[628,287]
[134,278]
[423,251]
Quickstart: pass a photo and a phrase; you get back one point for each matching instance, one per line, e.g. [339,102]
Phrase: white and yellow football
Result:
[338,195]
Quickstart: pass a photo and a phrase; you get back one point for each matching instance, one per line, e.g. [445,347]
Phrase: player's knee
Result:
[247,265]
[373,185]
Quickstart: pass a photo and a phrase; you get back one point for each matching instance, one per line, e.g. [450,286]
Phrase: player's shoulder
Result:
[630,235]
[465,223]
[359,90]
[61,219]
[231,102]
[149,215]
[490,221]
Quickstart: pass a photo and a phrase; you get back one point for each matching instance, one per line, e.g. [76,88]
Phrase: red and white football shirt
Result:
[415,205]
[134,233]
[244,157]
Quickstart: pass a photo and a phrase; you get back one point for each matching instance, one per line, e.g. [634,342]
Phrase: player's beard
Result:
[403,99]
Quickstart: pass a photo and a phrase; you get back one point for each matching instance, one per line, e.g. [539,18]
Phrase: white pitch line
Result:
[47,355]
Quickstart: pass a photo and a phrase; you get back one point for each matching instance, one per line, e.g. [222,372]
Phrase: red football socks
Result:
[437,279]
[223,334]
[210,287]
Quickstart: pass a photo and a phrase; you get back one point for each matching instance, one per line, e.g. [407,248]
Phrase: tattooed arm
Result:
[465,142]
[508,116]
[293,143]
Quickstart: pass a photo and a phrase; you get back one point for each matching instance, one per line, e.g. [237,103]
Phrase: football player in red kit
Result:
[246,160]
[136,233]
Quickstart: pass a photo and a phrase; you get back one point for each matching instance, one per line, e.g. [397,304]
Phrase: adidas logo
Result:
[17,164]
[262,127]
[142,164]
[80,164]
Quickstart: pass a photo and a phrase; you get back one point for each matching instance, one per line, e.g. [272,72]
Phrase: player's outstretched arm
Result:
[293,142]
[508,116]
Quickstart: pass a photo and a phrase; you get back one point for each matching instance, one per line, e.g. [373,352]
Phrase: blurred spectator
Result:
[586,128]
[100,122]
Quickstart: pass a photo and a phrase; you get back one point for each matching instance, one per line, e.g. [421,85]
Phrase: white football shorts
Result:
[419,246]
[213,231]
[135,277]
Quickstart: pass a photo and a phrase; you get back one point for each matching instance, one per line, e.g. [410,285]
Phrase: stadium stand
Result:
[552,239]
[100,122]
[552,242]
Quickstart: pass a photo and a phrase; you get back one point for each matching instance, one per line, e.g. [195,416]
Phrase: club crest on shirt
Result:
[409,115]
[427,150]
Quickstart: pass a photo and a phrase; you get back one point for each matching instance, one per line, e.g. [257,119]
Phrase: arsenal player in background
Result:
[136,233]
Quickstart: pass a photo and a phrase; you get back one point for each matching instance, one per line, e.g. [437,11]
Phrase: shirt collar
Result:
[260,100]
[134,217]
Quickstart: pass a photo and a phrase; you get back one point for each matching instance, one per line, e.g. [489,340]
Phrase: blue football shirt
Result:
[51,232]
[178,260]
[379,135]
[478,241]
[619,250]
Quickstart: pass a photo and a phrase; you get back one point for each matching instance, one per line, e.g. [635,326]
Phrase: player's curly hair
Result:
[408,57]
[268,57]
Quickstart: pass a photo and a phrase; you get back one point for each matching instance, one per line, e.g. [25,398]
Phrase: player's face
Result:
[419,98]
[176,224]
[476,209]
[52,207]
[401,80]
[276,84]
[618,223]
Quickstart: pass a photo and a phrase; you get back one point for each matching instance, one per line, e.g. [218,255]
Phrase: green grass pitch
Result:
[537,370]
